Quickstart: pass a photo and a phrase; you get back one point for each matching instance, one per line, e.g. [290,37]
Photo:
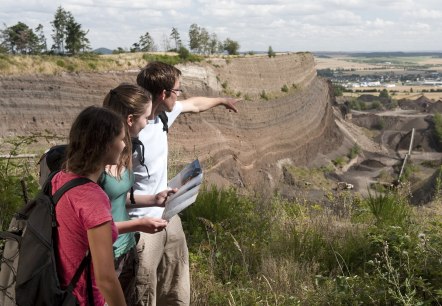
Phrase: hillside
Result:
[241,149]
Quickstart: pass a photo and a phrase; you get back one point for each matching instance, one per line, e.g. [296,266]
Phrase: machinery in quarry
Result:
[344,186]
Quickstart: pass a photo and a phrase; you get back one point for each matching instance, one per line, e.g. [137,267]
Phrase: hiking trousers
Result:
[163,276]
[127,277]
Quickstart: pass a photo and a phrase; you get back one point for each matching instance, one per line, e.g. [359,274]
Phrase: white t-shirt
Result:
[155,158]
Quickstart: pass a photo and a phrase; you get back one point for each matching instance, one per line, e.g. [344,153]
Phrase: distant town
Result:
[387,79]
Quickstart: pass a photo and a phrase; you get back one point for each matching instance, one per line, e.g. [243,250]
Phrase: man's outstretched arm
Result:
[201,104]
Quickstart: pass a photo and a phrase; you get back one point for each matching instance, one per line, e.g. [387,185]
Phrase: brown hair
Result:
[91,135]
[127,99]
[158,76]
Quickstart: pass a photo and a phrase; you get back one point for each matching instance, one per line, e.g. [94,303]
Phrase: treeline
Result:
[69,38]
[200,42]
[67,35]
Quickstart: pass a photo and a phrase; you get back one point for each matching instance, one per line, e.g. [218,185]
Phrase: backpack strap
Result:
[164,119]
[138,146]
[69,185]
[85,264]
[90,292]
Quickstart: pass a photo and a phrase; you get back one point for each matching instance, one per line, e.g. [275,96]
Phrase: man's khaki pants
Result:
[163,276]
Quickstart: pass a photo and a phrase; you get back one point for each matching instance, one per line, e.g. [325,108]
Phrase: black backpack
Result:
[28,271]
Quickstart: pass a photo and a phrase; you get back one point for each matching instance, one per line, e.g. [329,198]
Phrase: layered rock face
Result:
[242,149]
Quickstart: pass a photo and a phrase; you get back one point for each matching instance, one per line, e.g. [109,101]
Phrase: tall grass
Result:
[248,251]
[88,62]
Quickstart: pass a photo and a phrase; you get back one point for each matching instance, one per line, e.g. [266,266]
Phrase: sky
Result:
[286,25]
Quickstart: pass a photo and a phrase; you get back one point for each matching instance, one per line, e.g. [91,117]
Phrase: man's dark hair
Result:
[158,76]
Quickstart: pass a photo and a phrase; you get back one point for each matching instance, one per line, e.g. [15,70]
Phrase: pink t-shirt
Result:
[81,208]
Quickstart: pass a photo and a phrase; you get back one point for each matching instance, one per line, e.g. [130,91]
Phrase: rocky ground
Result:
[384,150]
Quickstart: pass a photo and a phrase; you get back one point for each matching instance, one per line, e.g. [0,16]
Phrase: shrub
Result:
[376,105]
[171,60]
[384,94]
[92,66]
[18,181]
[183,53]
[339,161]
[264,95]
[437,119]
[380,124]
[338,90]
[284,88]
[388,208]
[71,67]
[354,151]
[60,63]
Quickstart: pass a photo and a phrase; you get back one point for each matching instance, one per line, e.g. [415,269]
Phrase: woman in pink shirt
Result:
[83,213]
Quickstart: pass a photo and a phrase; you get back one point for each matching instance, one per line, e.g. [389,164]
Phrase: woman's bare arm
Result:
[100,244]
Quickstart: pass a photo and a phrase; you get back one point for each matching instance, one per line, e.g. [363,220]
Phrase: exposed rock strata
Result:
[240,149]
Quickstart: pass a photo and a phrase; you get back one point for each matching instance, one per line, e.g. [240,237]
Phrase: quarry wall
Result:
[240,149]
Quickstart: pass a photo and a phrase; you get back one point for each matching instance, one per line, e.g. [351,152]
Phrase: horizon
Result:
[323,51]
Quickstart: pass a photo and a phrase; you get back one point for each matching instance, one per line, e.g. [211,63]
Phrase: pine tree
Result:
[59,29]
[175,36]
[146,43]
[76,39]
[42,46]
[270,52]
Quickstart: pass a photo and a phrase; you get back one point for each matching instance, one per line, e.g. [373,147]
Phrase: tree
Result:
[42,46]
[194,37]
[213,44]
[175,36]
[231,46]
[204,39]
[166,42]
[146,43]
[19,38]
[135,47]
[271,53]
[59,29]
[183,53]
[118,50]
[384,94]
[76,40]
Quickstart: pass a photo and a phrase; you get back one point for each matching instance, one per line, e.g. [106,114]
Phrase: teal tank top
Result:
[117,191]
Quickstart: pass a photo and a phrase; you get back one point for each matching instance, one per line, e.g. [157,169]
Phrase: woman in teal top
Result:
[134,104]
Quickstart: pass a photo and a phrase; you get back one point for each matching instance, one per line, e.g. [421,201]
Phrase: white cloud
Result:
[425,14]
[380,23]
[255,24]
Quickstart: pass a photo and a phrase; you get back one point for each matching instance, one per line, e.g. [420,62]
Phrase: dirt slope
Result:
[240,149]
